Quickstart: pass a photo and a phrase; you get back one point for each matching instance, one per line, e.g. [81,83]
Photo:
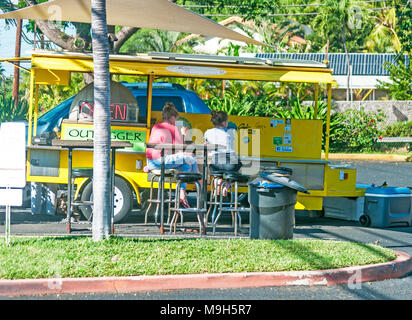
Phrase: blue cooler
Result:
[387,207]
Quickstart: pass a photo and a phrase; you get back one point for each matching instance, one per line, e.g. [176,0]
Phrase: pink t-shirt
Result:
[163,133]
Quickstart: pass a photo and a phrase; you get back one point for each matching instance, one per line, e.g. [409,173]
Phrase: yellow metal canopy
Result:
[52,66]
[152,14]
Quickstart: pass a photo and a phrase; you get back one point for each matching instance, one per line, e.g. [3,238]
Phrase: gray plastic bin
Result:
[387,207]
[272,207]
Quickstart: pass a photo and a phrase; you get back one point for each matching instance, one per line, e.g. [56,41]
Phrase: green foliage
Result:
[145,40]
[52,95]
[384,38]
[399,129]
[405,27]
[401,76]
[357,131]
[9,112]
[269,104]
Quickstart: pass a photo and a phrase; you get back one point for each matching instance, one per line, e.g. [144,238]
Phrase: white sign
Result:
[197,71]
[13,155]
[11,197]
[284,149]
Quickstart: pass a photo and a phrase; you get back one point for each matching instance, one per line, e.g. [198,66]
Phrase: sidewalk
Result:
[373,157]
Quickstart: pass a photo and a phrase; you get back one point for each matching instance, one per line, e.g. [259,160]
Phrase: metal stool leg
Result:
[177,206]
[150,200]
[169,201]
[200,218]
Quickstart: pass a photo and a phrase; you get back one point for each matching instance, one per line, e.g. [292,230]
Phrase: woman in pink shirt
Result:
[167,133]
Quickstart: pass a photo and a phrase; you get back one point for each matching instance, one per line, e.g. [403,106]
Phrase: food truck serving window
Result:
[127,112]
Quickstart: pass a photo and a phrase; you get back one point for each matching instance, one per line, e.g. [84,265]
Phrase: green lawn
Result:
[45,257]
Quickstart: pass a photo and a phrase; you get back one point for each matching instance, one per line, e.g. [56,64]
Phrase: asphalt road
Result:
[400,238]
[397,174]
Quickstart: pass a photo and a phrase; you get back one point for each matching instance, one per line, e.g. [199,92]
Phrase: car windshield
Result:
[158,103]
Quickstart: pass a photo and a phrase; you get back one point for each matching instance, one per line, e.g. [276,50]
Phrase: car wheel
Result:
[123,199]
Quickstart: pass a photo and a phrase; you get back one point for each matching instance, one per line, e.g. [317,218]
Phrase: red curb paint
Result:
[397,268]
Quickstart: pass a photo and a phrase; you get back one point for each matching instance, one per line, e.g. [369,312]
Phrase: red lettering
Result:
[111,112]
[87,108]
[118,109]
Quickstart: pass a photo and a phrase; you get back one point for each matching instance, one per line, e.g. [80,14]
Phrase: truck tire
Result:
[123,199]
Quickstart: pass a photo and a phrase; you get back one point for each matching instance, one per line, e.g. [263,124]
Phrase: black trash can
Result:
[272,200]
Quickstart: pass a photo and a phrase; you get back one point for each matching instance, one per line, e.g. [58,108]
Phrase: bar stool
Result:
[215,176]
[155,174]
[188,177]
[81,172]
[232,179]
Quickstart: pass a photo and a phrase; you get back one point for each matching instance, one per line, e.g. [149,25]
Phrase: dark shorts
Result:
[225,162]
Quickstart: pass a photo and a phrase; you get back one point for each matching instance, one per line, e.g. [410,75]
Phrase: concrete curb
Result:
[397,268]
[375,157]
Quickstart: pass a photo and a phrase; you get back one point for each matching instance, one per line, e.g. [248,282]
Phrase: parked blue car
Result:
[185,101]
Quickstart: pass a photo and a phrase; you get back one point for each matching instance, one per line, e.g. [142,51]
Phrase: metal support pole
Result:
[36,109]
[112,178]
[315,113]
[161,188]
[150,79]
[328,121]
[7,226]
[69,191]
[30,129]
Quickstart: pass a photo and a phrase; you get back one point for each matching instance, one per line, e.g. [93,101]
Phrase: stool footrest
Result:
[194,210]
[158,201]
[83,203]
[234,209]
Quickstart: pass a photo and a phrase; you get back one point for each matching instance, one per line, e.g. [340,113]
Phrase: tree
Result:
[400,87]
[384,38]
[405,26]
[151,40]
[101,144]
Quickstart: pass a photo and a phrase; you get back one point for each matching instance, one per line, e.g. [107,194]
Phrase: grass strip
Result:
[46,257]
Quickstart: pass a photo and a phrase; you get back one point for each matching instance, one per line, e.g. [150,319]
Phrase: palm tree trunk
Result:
[101,157]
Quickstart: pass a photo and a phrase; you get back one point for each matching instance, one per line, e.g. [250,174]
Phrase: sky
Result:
[8,43]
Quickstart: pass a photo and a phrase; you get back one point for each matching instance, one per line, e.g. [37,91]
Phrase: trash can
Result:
[272,200]
[387,207]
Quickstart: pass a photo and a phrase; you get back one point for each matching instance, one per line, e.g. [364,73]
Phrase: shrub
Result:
[357,131]
[8,111]
[399,129]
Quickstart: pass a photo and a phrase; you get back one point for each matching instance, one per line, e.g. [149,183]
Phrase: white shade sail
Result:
[152,14]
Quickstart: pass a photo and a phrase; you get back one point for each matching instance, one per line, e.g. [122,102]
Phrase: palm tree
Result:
[101,155]
[152,40]
[384,37]
[5,6]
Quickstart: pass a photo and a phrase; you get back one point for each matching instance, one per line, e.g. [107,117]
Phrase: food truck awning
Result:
[54,67]
[152,14]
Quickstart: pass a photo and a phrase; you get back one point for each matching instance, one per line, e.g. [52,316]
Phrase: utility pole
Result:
[16,79]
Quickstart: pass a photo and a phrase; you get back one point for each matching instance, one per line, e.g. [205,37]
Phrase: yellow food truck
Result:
[261,141]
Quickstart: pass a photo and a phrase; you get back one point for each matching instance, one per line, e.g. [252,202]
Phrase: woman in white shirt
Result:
[225,158]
